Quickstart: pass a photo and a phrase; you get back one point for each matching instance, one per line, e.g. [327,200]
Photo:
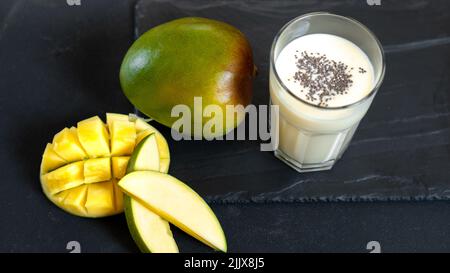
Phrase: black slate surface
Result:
[401,150]
[60,64]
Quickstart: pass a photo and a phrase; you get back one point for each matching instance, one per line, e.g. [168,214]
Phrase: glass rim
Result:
[380,47]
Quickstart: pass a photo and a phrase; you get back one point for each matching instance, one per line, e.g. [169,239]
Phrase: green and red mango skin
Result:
[186,58]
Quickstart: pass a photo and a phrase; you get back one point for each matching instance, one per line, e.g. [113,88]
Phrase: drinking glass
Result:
[313,137]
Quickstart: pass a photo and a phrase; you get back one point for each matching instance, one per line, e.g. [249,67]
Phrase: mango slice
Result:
[100,199]
[51,160]
[177,203]
[119,166]
[148,147]
[163,147]
[82,160]
[97,170]
[123,137]
[150,232]
[65,177]
[94,137]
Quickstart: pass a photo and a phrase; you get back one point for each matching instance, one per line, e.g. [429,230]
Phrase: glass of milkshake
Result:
[325,70]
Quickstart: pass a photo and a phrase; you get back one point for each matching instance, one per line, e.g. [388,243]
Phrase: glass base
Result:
[303,168]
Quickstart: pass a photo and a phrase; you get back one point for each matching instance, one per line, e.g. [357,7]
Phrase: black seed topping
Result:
[321,77]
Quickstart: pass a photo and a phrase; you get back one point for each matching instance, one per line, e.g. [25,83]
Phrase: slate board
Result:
[401,150]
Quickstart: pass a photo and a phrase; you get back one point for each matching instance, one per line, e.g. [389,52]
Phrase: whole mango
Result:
[190,57]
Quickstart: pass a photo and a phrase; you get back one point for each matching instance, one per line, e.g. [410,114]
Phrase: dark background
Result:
[59,64]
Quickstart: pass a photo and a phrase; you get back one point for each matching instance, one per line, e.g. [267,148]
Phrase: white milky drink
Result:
[323,85]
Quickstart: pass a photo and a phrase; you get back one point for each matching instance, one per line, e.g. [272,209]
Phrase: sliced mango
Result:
[67,145]
[94,137]
[100,199]
[163,147]
[119,166]
[147,148]
[82,157]
[150,232]
[177,203]
[64,178]
[51,160]
[97,170]
[123,137]
[76,199]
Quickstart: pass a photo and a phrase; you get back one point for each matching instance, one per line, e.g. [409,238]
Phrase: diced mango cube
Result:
[94,137]
[50,159]
[69,176]
[119,166]
[97,170]
[100,199]
[123,137]
[76,199]
[67,145]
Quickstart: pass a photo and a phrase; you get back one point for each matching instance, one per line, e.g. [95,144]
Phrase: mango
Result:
[190,57]
[78,172]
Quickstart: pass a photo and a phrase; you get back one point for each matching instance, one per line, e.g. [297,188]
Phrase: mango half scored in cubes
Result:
[80,169]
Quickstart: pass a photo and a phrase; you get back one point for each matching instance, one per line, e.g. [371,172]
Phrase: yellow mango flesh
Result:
[76,199]
[112,117]
[177,203]
[118,196]
[65,177]
[119,166]
[59,197]
[97,170]
[51,160]
[78,159]
[67,145]
[94,137]
[163,147]
[123,137]
[100,199]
